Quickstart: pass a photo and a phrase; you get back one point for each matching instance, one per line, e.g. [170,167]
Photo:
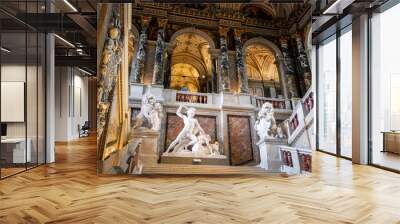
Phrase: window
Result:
[327,96]
[385,89]
[346,92]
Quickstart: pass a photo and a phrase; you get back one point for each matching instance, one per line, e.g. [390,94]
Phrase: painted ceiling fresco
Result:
[260,63]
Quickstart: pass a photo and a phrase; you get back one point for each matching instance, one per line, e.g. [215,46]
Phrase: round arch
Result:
[193,31]
[268,44]
[278,58]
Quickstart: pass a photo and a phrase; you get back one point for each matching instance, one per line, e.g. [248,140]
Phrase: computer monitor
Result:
[3,130]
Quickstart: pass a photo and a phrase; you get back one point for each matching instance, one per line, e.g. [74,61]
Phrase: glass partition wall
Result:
[22,77]
[385,89]
[334,94]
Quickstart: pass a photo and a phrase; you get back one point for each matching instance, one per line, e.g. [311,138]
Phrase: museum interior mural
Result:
[204,88]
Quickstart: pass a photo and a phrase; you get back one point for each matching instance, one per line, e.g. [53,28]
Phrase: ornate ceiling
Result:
[194,50]
[260,63]
[185,76]
[257,10]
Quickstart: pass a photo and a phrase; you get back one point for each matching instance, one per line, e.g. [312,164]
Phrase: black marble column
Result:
[158,78]
[242,75]
[303,64]
[214,75]
[224,77]
[290,70]
[167,68]
[138,61]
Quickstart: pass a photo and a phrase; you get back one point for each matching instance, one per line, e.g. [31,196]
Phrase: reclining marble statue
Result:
[150,111]
[192,134]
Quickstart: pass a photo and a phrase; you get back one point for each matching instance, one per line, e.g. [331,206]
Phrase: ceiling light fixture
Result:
[84,71]
[5,50]
[64,40]
[337,7]
[70,5]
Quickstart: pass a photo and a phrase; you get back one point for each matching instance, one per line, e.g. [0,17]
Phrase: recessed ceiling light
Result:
[5,50]
[70,5]
[84,71]
[64,40]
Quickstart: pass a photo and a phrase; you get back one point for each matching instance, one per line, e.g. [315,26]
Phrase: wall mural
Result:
[172,94]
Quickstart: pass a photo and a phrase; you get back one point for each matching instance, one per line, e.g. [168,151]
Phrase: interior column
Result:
[304,64]
[290,73]
[167,67]
[158,78]
[137,70]
[224,77]
[360,90]
[242,75]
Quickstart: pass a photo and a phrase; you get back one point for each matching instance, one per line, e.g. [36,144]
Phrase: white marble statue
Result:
[202,147]
[151,111]
[279,133]
[156,115]
[190,130]
[265,122]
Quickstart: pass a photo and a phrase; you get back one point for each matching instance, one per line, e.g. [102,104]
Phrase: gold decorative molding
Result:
[223,31]
[162,22]
[238,33]
[145,20]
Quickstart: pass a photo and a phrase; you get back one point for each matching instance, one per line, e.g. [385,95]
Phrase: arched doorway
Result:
[191,61]
[262,70]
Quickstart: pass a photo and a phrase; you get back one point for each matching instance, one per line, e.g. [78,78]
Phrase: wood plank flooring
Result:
[69,191]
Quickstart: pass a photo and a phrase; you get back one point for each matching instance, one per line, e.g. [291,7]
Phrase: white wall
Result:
[71,102]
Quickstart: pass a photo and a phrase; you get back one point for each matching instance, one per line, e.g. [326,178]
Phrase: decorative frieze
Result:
[230,23]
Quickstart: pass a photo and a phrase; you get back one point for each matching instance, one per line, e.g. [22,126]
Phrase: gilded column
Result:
[304,65]
[289,69]
[224,75]
[137,70]
[242,75]
[158,78]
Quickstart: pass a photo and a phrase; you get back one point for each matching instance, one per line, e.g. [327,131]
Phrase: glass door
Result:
[327,92]
[346,71]
[385,89]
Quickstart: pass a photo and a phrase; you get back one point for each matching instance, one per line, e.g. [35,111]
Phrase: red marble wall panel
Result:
[175,125]
[240,144]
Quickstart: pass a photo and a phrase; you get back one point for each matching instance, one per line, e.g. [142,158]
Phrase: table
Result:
[13,150]
[391,141]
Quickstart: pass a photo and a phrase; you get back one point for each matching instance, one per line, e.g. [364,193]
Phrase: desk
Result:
[391,141]
[13,150]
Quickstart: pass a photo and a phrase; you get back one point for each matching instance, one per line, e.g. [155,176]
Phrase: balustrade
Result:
[308,103]
[276,103]
[191,98]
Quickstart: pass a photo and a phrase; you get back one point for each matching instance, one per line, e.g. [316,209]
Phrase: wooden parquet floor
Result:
[69,191]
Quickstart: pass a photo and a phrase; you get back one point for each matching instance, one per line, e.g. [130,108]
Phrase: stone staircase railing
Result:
[173,96]
[277,103]
[302,117]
